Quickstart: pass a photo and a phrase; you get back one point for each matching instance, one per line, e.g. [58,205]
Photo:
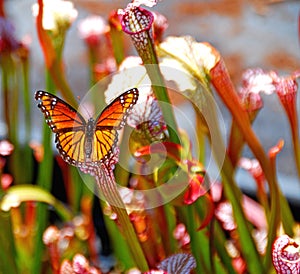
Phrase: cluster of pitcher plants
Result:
[156,206]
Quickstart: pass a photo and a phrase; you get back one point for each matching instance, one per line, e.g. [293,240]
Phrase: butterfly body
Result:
[88,145]
[82,142]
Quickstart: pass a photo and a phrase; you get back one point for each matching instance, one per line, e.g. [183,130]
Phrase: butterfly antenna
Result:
[87,111]
[83,107]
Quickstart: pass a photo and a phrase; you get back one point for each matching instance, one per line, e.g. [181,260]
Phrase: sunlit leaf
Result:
[23,193]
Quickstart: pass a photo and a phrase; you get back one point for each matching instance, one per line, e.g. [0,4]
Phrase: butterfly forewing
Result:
[59,115]
[68,125]
[115,114]
[109,121]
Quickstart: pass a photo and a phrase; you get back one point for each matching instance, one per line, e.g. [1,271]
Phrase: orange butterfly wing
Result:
[59,115]
[67,124]
[111,119]
[75,137]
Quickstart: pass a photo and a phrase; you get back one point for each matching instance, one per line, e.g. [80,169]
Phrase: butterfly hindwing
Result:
[80,142]
[104,142]
[70,145]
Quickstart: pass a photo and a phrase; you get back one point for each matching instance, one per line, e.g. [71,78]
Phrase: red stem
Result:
[221,80]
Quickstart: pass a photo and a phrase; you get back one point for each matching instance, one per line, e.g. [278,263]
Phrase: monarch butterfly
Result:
[81,142]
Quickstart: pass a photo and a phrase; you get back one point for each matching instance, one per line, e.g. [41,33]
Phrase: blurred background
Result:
[248,34]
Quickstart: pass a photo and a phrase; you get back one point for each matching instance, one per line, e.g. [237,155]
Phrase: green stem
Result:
[11,109]
[117,43]
[169,220]
[162,96]
[92,62]
[75,188]
[200,137]
[120,247]
[108,187]
[219,242]
[121,172]
[288,221]
[28,164]
[150,61]
[27,100]
[199,241]
[44,180]
[296,144]
[8,262]
[234,195]
[5,90]
[160,91]
[14,129]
